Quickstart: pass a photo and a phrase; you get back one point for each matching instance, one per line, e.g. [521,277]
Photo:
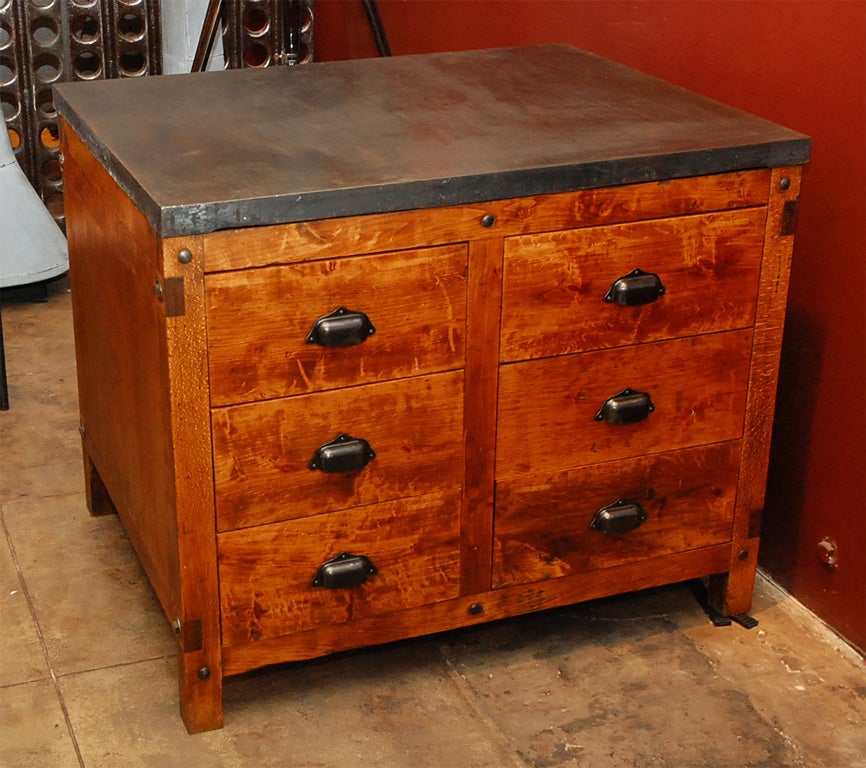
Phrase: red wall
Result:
[801,63]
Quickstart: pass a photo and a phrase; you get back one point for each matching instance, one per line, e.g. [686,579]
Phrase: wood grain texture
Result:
[497,604]
[143,393]
[352,235]
[555,283]
[119,328]
[479,433]
[266,572]
[187,379]
[493,352]
[543,523]
[547,408]
[262,451]
[258,322]
[732,593]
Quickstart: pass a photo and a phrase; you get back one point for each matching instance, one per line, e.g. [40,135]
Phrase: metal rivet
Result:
[204,673]
[744,554]
[157,289]
[476,608]
[784,184]
[488,220]
[175,625]
[185,256]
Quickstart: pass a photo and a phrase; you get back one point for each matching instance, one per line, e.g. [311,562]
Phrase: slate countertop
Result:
[238,148]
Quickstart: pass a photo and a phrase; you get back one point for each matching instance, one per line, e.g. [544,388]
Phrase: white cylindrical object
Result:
[32,247]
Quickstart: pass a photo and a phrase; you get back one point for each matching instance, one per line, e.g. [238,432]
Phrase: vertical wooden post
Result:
[198,626]
[731,593]
[484,301]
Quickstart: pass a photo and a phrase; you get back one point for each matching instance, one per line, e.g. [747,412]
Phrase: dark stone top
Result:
[239,148]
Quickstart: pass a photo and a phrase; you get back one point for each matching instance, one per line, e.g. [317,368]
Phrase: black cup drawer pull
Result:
[627,407]
[343,454]
[341,328]
[635,288]
[344,571]
[622,516]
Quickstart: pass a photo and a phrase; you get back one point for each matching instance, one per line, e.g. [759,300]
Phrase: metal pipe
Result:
[377,28]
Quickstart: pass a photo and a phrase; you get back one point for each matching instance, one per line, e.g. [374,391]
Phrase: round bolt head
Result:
[185,256]
[488,220]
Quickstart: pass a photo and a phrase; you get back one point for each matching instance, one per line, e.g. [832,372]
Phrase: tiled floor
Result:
[87,673]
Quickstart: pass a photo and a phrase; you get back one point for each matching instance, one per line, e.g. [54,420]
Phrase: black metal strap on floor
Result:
[719,619]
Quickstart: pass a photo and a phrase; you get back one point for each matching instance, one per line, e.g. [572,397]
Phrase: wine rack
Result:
[43,42]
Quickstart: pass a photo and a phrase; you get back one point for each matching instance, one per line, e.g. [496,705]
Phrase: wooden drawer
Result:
[266,573]
[555,284]
[258,322]
[542,525]
[262,451]
[548,408]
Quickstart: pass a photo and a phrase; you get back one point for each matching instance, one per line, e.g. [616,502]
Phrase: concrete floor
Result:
[87,671]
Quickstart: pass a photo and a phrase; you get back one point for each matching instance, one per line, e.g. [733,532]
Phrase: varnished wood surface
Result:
[258,322]
[733,593]
[555,283]
[547,408]
[199,624]
[450,614]
[213,412]
[543,523]
[262,450]
[143,395]
[352,235]
[121,359]
[266,572]
[479,431]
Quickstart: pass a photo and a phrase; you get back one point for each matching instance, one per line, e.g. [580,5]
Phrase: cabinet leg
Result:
[201,693]
[731,593]
[98,500]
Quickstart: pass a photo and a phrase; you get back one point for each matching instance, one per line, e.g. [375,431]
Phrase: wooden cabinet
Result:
[328,430]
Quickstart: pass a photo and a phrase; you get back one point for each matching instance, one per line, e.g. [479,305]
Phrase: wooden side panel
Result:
[115,262]
[732,593]
[266,573]
[262,451]
[555,283]
[548,407]
[259,320]
[331,238]
[464,611]
[140,383]
[543,524]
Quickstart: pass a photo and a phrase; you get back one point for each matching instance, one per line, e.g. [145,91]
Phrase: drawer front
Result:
[262,451]
[542,527]
[548,408]
[266,573]
[555,284]
[259,322]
